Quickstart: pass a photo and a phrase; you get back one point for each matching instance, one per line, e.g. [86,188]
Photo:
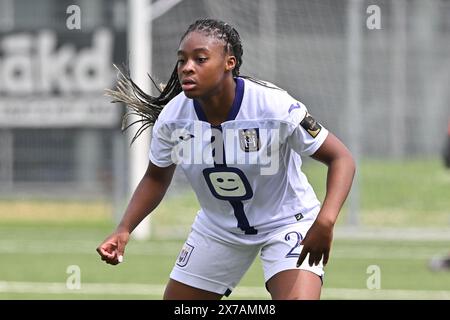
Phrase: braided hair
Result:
[149,107]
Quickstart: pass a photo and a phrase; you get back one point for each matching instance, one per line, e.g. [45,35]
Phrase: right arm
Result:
[148,194]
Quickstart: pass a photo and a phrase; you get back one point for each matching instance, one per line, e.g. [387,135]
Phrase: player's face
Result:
[203,65]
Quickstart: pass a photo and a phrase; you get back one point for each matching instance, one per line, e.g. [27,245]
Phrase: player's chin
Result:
[191,94]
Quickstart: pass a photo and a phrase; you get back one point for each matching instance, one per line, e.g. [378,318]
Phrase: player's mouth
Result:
[188,84]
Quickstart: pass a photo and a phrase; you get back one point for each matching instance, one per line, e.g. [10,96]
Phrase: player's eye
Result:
[202,59]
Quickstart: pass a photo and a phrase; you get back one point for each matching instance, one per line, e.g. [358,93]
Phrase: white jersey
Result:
[246,172]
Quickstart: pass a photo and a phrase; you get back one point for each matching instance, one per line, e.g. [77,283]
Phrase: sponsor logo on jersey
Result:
[311,125]
[249,139]
[294,106]
[298,216]
[228,183]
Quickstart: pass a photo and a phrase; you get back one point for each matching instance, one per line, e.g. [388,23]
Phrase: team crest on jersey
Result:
[249,139]
[184,255]
[311,125]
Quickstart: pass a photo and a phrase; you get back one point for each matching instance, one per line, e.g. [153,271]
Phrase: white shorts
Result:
[211,264]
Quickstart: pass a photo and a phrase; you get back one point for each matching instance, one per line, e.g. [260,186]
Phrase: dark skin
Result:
[203,61]
[205,72]
[301,284]
[148,194]
[341,170]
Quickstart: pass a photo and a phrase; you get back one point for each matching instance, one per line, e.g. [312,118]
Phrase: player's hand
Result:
[317,243]
[113,248]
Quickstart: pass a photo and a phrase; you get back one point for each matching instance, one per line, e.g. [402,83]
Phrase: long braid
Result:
[149,107]
[142,104]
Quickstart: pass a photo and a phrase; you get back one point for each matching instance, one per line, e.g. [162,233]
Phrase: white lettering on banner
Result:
[33,64]
[58,112]
[47,83]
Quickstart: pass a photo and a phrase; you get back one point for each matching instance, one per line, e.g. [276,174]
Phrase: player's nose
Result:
[188,67]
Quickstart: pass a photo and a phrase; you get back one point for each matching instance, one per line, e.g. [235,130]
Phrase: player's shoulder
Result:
[175,109]
[273,101]
[263,88]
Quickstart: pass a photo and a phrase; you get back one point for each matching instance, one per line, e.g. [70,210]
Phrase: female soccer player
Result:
[239,141]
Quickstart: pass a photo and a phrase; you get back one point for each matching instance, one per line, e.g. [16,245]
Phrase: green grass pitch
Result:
[40,242]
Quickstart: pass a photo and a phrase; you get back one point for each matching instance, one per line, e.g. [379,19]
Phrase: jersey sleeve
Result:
[307,134]
[161,146]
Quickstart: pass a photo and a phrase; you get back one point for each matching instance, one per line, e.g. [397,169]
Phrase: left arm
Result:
[341,170]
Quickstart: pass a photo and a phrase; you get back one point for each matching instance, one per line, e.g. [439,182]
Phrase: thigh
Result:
[279,256]
[209,265]
[295,285]
[176,290]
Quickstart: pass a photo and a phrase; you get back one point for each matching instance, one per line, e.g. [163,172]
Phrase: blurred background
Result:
[375,73]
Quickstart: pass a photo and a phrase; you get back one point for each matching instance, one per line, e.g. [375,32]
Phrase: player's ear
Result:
[230,63]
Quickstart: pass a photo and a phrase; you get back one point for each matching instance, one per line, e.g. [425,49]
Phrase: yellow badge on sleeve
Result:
[310,125]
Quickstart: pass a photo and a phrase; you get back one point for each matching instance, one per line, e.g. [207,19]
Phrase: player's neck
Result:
[217,106]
